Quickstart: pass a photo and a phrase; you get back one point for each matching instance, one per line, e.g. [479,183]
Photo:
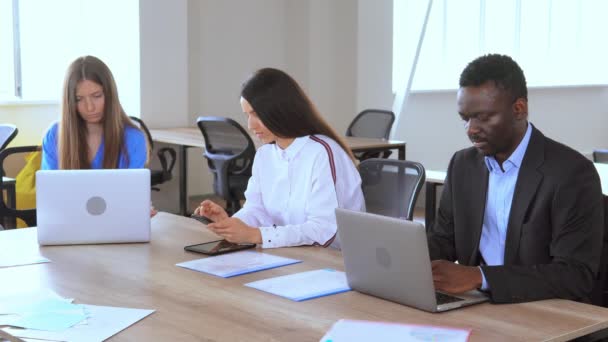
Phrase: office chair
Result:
[163,175]
[7,133]
[599,295]
[390,186]
[372,123]
[600,156]
[9,213]
[229,151]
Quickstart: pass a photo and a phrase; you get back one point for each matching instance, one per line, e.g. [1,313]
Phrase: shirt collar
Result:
[293,148]
[516,158]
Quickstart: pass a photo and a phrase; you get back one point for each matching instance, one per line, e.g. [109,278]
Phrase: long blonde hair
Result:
[72,146]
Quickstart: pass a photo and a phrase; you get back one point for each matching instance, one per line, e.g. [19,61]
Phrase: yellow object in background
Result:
[25,184]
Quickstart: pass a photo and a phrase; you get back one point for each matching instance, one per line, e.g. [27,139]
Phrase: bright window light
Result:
[54,33]
[556,42]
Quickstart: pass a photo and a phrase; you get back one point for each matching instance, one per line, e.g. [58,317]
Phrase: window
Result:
[556,42]
[7,80]
[54,33]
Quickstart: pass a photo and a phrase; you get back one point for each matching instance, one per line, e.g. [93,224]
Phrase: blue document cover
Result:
[234,264]
[304,285]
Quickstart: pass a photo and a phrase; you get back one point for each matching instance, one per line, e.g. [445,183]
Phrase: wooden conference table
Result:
[185,137]
[436,178]
[193,306]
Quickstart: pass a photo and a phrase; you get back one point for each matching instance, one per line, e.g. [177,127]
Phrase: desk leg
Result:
[183,180]
[402,153]
[430,204]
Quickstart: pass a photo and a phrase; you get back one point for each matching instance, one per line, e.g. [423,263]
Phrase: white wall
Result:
[575,116]
[164,77]
[332,60]
[315,41]
[374,55]
[164,62]
[32,120]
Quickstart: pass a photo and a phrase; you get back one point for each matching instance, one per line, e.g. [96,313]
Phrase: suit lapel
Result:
[528,180]
[478,195]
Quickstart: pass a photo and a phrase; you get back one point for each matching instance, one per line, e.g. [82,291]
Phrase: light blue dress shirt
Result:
[501,186]
[135,143]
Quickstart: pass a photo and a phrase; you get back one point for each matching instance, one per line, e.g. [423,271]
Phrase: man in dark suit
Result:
[521,213]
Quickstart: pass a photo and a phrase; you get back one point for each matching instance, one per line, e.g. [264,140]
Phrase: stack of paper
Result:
[9,260]
[44,310]
[359,331]
[304,285]
[45,315]
[230,265]
[103,322]
[15,252]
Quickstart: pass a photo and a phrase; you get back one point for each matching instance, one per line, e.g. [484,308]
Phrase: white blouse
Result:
[292,193]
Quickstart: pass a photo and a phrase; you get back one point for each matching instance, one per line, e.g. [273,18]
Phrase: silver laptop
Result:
[389,258]
[93,206]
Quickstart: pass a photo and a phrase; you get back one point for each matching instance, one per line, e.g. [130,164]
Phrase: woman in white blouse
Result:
[300,175]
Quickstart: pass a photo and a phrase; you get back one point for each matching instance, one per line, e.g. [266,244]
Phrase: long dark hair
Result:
[284,108]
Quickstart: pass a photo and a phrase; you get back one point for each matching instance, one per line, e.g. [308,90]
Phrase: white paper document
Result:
[359,331]
[103,322]
[233,264]
[20,249]
[21,259]
[304,285]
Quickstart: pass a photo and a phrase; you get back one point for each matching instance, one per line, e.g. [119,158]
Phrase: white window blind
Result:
[6,50]
[556,42]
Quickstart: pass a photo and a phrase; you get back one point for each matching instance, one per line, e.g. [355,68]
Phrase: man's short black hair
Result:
[501,69]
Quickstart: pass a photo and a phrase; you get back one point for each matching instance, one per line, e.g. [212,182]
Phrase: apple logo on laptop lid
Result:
[383,257]
[96,206]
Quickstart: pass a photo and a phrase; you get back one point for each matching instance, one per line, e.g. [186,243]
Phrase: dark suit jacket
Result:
[555,230]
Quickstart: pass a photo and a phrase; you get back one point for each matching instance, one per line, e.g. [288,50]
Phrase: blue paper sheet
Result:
[234,264]
[304,285]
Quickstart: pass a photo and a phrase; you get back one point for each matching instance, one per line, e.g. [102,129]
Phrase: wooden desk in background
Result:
[436,178]
[185,137]
[193,306]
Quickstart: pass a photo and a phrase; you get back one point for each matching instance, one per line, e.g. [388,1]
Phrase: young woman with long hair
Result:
[94,132]
[300,175]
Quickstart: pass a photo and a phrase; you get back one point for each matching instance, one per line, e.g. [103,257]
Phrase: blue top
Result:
[135,142]
[501,187]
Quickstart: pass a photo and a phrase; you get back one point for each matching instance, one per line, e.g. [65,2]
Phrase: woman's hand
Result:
[153,211]
[211,210]
[234,230]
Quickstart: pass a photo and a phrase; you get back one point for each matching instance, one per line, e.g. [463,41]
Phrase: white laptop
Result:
[389,258]
[93,206]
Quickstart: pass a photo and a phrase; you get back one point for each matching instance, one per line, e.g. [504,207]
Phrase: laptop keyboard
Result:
[443,298]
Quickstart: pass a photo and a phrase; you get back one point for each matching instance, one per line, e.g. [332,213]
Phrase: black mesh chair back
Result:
[391,187]
[599,295]
[372,123]
[229,151]
[8,211]
[7,133]
[600,156]
[166,157]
